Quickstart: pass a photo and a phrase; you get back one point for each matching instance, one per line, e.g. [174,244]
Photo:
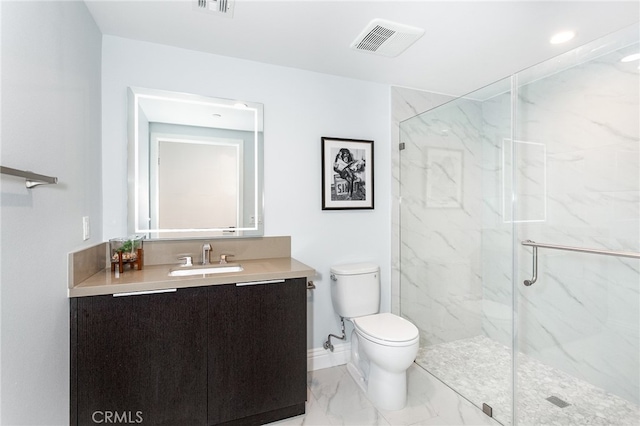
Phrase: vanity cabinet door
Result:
[140,359]
[257,352]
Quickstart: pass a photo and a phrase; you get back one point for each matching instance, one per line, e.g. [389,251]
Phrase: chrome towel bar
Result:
[33,179]
[535,247]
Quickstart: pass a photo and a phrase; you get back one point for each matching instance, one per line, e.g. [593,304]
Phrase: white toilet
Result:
[383,345]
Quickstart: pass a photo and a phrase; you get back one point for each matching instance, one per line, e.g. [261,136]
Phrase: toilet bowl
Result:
[380,358]
[383,345]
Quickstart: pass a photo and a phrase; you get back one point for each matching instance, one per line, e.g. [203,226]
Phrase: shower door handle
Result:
[534,278]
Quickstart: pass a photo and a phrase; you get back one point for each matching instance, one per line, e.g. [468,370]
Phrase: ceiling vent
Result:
[386,38]
[216,7]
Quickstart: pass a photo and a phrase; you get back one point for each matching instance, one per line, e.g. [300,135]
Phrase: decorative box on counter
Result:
[126,251]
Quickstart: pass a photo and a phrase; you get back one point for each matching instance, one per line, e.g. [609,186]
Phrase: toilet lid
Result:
[386,326]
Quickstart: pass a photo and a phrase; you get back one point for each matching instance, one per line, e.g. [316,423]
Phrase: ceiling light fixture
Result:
[562,37]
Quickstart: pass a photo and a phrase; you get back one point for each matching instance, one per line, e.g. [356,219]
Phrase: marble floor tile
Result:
[431,402]
[480,369]
[335,399]
[314,415]
[341,399]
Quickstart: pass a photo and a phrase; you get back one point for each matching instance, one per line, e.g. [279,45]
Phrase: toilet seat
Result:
[386,329]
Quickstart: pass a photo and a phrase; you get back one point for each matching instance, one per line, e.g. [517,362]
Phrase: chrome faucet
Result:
[206,249]
[187,260]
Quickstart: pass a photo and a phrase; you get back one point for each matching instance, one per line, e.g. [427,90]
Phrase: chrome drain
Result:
[557,401]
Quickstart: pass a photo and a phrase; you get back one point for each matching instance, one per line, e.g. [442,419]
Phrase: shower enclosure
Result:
[549,155]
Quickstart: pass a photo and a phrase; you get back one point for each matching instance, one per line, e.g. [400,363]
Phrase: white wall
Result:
[300,108]
[50,125]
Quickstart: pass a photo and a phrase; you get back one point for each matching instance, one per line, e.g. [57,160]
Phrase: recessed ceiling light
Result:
[216,115]
[240,105]
[630,58]
[562,37]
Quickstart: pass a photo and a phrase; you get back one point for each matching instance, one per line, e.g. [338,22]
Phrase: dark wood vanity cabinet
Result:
[257,366]
[223,354]
[142,358]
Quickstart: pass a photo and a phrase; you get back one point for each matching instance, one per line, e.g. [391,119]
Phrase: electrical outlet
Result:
[86,228]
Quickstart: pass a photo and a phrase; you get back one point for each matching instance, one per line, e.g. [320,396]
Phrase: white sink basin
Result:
[204,270]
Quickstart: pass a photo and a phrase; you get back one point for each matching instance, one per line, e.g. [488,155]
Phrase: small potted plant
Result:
[126,251]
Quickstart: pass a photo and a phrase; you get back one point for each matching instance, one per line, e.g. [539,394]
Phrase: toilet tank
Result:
[355,289]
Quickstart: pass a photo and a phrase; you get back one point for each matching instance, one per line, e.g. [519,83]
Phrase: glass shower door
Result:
[578,185]
[552,155]
[456,237]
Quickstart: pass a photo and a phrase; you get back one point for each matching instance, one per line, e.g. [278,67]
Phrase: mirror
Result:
[194,166]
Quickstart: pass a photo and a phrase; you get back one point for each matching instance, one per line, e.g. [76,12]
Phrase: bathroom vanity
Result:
[225,348]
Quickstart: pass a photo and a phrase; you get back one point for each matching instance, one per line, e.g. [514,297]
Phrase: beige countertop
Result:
[157,277]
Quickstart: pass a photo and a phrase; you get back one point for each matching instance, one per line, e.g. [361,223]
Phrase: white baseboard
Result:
[319,358]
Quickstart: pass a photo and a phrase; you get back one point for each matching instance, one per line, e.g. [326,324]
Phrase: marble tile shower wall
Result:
[578,183]
[497,233]
[582,316]
[441,176]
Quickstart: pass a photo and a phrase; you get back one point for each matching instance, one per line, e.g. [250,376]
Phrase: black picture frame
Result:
[347,174]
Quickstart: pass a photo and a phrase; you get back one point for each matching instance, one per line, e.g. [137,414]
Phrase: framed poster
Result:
[347,174]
